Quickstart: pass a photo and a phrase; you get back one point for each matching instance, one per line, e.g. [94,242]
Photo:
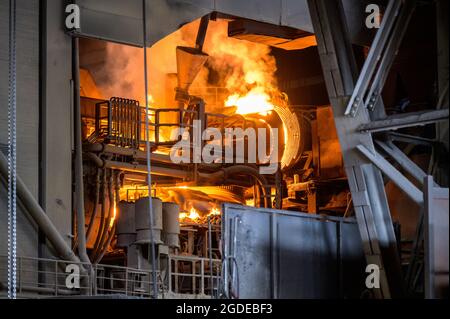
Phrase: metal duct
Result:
[189,64]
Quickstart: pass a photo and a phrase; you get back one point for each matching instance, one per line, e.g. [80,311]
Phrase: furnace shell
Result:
[142,221]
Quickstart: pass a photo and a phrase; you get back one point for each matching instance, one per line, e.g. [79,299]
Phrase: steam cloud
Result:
[240,66]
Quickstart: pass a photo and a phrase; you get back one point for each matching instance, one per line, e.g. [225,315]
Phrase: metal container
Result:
[126,229]
[171,224]
[143,224]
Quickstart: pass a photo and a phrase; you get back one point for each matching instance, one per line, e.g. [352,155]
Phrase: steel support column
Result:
[365,180]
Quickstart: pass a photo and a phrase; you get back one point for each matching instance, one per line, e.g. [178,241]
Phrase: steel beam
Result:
[376,50]
[401,181]
[404,161]
[411,139]
[365,180]
[386,61]
[411,119]
[381,55]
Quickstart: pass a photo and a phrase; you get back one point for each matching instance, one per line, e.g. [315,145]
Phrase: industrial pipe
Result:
[105,236]
[79,201]
[96,159]
[102,215]
[136,168]
[96,202]
[156,170]
[39,216]
[108,242]
[136,154]
[106,215]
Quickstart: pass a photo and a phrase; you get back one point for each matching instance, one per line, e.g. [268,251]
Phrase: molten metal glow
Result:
[254,102]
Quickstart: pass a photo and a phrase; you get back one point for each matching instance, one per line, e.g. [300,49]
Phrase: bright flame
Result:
[246,69]
[255,101]
[214,212]
[192,216]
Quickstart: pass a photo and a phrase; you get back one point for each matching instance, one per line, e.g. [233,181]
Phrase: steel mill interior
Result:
[224,149]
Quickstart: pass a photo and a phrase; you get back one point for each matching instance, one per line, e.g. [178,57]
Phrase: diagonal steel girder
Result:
[381,55]
[365,180]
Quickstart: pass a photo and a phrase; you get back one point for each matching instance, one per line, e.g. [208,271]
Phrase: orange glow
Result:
[111,223]
[150,100]
[250,202]
[247,70]
[254,102]
[192,216]
[214,212]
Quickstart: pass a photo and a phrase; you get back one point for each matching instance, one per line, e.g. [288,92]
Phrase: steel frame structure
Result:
[365,180]
[352,99]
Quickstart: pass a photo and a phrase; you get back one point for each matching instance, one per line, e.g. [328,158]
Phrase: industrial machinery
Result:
[187,197]
[231,154]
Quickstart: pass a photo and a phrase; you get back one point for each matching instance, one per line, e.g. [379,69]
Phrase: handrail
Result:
[100,279]
[199,268]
